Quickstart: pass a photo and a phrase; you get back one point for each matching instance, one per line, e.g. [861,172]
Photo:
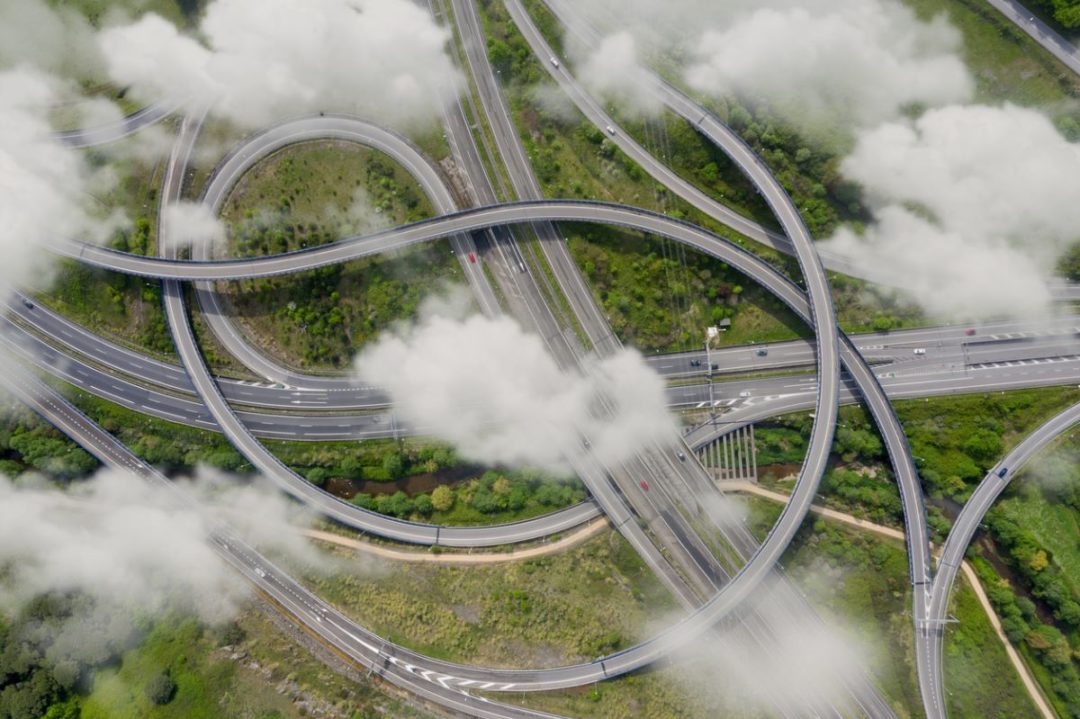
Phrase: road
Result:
[104,134]
[929,639]
[260,457]
[92,362]
[323,128]
[412,672]
[1042,33]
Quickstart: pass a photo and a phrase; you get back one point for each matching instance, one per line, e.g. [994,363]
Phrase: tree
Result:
[442,499]
[160,689]
[318,476]
[394,465]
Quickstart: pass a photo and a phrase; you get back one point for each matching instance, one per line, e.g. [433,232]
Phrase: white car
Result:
[744,393]
[610,130]
[919,350]
[554,61]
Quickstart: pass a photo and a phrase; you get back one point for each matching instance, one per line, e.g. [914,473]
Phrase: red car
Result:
[969,332]
[644,485]
[472,257]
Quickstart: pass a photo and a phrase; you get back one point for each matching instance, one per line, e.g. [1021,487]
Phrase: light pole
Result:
[711,333]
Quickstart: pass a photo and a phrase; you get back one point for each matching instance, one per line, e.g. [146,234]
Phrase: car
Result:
[969,332]
[681,456]
[744,393]
[644,485]
[585,441]
[919,350]
[260,572]
[1002,472]
[554,61]
[695,363]
[27,303]
[610,130]
[714,367]
[472,257]
[763,353]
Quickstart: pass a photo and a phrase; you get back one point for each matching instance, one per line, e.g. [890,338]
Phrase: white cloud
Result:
[191,224]
[498,396]
[44,186]
[58,40]
[612,71]
[129,543]
[851,63]
[973,206]
[844,63]
[268,59]
[799,665]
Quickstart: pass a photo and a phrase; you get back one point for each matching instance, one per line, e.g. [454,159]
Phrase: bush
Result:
[161,689]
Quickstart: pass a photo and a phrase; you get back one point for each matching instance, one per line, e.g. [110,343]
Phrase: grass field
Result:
[1006,63]
[590,600]
[979,678]
[265,674]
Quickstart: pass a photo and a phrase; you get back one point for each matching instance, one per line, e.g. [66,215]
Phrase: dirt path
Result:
[969,573]
[576,537]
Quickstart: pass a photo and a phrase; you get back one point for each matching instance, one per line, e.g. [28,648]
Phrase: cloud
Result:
[973,206]
[191,224]
[133,544]
[847,63]
[58,40]
[612,71]
[494,391]
[45,187]
[838,63]
[268,59]
[799,665]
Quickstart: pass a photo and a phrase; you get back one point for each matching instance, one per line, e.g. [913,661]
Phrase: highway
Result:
[420,676]
[346,129]
[726,599]
[262,459]
[971,356]
[929,640]
[83,138]
[96,362]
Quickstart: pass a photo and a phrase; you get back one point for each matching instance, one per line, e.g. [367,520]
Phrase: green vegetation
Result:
[1006,63]
[1033,531]
[420,478]
[181,12]
[956,440]
[978,673]
[312,194]
[576,160]
[590,600]
[1031,568]
[1066,12]
[490,498]
[172,666]
[28,442]
[122,307]
[660,296]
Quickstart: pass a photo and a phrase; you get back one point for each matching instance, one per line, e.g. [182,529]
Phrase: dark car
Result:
[695,363]
[762,352]
[1002,472]
[27,303]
